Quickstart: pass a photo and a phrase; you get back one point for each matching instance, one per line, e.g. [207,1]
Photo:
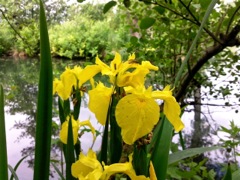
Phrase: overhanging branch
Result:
[228,40]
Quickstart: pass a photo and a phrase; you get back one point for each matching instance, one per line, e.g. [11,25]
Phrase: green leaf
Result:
[228,175]
[80,1]
[70,158]
[115,150]
[236,175]
[177,156]
[108,6]
[104,147]
[58,171]
[61,110]
[238,67]
[127,3]
[44,105]
[159,9]
[77,105]
[147,22]
[16,167]
[13,172]
[161,149]
[3,154]
[204,4]
[140,160]
[134,40]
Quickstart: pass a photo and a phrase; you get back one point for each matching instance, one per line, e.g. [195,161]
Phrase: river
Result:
[20,79]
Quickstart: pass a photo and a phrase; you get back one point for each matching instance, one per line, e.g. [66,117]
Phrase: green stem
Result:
[205,18]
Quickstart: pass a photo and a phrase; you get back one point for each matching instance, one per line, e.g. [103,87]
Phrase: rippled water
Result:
[20,79]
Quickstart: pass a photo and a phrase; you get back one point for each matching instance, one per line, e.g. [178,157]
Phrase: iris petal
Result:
[136,115]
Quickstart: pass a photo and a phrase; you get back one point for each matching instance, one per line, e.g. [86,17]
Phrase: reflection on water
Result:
[20,82]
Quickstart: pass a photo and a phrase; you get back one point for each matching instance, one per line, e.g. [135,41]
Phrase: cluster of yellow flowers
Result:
[89,168]
[137,111]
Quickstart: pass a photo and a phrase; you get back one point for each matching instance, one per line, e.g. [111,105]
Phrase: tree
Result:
[167,30]
[23,17]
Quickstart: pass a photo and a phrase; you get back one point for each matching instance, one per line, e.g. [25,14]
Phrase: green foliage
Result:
[108,6]
[157,32]
[190,170]
[231,141]
[6,38]
[147,23]
[44,106]
[31,36]
[175,157]
[228,175]
[85,36]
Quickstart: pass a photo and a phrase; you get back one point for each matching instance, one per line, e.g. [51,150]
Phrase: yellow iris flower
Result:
[138,112]
[76,125]
[89,168]
[75,77]
[126,168]
[120,74]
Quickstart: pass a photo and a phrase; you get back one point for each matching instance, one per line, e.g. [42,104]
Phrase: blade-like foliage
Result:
[180,155]
[161,149]
[236,175]
[44,105]
[3,154]
[13,172]
[70,158]
[16,167]
[228,175]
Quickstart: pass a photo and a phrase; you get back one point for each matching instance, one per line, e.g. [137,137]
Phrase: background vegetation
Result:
[156,30]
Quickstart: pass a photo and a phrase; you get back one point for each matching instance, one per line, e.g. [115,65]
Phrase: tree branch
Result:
[197,22]
[228,40]
[14,29]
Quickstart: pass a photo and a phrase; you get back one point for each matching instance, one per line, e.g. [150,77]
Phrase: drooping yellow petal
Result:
[99,99]
[171,108]
[68,79]
[87,73]
[149,66]
[136,115]
[89,124]
[87,166]
[125,168]
[63,87]
[105,69]
[64,131]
